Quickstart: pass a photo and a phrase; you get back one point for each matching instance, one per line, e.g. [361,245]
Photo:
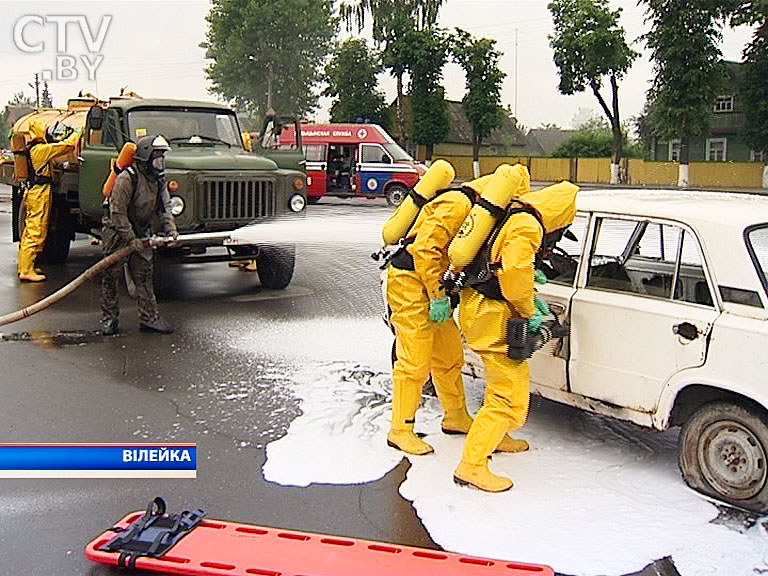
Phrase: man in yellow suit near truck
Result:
[486,307]
[43,148]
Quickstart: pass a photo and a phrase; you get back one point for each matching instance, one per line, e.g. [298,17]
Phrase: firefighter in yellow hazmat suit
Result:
[42,150]
[427,340]
[483,314]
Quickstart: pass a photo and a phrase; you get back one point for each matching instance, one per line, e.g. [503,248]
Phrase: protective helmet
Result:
[149,144]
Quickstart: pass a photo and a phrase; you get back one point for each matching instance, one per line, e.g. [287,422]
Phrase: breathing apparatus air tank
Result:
[19,149]
[439,175]
[124,159]
[506,183]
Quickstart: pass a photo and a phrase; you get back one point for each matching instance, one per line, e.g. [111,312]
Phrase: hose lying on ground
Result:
[202,238]
[65,291]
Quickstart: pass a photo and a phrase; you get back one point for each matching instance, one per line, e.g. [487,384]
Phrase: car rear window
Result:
[757,242]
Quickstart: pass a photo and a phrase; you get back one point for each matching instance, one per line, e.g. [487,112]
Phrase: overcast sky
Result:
[152,47]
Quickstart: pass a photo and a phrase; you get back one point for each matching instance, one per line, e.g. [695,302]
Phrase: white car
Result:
[668,320]
[668,327]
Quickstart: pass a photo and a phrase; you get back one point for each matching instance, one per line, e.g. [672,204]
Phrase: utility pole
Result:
[515,73]
[36,86]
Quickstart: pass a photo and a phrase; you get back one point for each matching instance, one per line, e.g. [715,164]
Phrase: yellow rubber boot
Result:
[32,277]
[407,441]
[512,445]
[479,476]
[456,421]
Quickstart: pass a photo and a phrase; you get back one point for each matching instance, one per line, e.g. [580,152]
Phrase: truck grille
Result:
[237,199]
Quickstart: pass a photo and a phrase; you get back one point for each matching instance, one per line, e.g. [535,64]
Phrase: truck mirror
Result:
[95,118]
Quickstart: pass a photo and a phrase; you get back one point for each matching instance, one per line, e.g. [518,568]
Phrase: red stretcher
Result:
[216,547]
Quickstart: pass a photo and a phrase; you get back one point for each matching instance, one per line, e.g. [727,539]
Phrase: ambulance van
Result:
[354,160]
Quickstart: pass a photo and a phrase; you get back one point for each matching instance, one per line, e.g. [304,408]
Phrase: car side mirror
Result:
[96,118]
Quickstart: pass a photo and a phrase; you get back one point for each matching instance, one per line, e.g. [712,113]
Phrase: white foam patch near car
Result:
[592,497]
[341,436]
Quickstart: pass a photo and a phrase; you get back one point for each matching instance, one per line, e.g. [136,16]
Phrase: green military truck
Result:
[215,182]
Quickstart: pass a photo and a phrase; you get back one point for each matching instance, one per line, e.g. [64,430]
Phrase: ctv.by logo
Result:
[67,64]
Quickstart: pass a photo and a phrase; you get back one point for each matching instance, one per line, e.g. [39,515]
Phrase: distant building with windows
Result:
[724,142]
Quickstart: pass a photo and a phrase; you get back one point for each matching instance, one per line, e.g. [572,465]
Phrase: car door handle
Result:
[686,330]
[558,309]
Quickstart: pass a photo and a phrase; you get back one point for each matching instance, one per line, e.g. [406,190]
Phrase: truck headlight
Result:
[297,202]
[177,205]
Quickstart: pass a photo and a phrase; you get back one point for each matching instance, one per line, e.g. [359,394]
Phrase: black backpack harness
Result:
[481,272]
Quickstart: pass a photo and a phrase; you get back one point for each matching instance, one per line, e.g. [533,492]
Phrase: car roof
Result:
[695,207]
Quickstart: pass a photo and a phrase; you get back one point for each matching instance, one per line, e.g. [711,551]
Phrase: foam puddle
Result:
[592,497]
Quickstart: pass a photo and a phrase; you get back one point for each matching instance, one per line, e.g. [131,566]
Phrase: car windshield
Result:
[186,126]
[397,153]
[758,245]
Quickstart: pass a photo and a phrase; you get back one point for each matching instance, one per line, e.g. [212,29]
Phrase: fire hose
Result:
[206,238]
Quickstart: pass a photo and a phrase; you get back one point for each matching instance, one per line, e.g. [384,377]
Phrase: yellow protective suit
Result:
[424,347]
[483,322]
[38,199]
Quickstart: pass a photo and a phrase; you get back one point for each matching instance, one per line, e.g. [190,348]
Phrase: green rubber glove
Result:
[541,305]
[440,309]
[539,277]
[534,322]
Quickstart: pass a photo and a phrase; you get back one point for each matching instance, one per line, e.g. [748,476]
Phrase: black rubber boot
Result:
[109,327]
[158,325]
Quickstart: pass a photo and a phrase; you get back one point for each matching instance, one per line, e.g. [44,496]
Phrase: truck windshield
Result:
[186,126]
[397,153]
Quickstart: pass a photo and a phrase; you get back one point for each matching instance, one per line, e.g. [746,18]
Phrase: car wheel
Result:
[723,453]
[395,194]
[275,266]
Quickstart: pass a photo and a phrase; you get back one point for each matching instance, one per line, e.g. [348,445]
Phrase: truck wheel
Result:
[395,194]
[21,214]
[275,266]
[61,230]
[723,452]
[16,198]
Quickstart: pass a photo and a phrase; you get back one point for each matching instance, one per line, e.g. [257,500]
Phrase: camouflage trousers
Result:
[142,273]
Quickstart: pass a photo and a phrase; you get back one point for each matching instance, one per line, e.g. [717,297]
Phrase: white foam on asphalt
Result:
[592,497]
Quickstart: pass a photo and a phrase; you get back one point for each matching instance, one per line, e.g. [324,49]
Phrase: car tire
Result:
[395,194]
[275,266]
[723,452]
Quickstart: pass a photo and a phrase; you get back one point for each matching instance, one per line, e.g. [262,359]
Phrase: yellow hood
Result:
[555,204]
[36,130]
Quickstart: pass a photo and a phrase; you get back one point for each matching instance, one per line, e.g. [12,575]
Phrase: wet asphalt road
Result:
[80,387]
[140,387]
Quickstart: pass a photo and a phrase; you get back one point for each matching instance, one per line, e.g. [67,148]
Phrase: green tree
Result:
[269,52]
[594,139]
[4,128]
[429,110]
[482,102]
[46,100]
[753,87]
[21,99]
[683,39]
[590,45]
[351,77]
[393,21]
